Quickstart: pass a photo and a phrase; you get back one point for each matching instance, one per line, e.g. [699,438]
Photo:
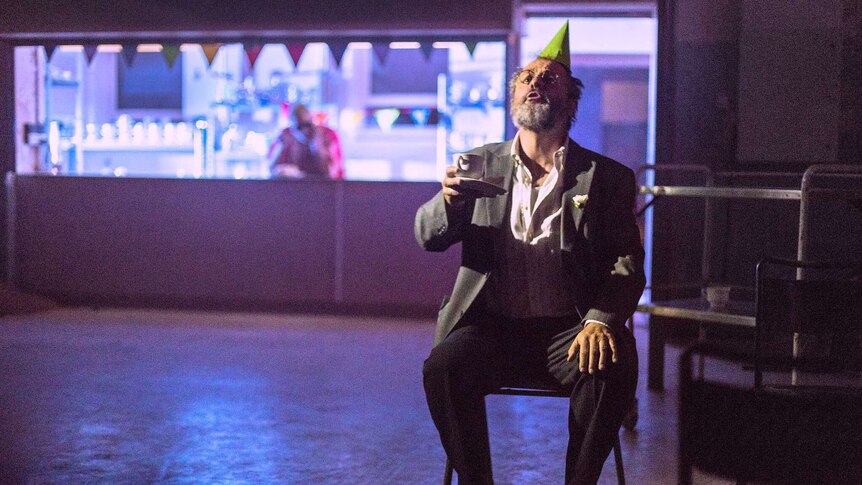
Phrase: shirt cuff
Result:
[587,322]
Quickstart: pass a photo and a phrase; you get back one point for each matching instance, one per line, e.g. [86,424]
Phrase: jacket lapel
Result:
[577,177]
[498,170]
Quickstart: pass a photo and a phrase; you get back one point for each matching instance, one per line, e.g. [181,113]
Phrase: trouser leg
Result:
[597,407]
[456,376]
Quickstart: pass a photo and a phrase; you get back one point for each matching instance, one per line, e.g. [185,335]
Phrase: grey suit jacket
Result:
[600,241]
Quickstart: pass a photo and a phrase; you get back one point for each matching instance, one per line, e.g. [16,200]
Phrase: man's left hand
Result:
[593,345]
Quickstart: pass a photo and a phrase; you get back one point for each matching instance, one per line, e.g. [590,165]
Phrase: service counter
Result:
[224,244]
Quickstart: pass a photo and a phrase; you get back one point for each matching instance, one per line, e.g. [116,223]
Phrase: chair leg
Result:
[631,418]
[447,477]
[618,460]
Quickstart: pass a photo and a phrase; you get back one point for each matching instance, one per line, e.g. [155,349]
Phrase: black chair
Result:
[544,392]
[711,435]
[808,358]
[805,428]
[808,320]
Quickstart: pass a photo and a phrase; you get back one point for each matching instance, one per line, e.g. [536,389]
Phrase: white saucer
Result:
[485,189]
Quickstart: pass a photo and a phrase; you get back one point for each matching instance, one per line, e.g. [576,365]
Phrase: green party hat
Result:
[558,48]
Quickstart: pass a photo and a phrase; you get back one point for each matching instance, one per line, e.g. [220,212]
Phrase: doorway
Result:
[614,52]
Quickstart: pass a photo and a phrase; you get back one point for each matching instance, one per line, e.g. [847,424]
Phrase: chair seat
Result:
[529,391]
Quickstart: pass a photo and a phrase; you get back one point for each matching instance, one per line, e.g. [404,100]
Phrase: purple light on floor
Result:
[226,437]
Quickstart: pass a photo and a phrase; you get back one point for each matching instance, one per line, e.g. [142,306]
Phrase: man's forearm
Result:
[437,225]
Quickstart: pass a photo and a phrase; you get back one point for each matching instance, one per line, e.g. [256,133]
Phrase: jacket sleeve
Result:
[621,257]
[438,226]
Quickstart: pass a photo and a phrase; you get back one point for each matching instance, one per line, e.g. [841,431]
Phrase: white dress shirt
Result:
[534,222]
[530,219]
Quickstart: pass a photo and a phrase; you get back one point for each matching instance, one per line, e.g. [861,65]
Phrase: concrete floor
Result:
[138,396]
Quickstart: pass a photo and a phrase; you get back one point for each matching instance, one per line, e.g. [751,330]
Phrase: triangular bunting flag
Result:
[471,47]
[426,46]
[129,52]
[90,51]
[337,47]
[381,50]
[170,52]
[295,50]
[49,50]
[210,51]
[252,51]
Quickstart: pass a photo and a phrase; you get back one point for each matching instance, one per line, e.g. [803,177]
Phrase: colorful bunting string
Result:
[90,51]
[49,50]
[337,47]
[129,52]
[252,51]
[170,52]
[381,50]
[471,47]
[427,47]
[295,50]
[210,51]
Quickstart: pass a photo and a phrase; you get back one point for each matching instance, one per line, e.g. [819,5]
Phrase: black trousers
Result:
[496,351]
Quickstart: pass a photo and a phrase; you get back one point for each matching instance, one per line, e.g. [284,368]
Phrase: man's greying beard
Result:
[536,116]
[532,116]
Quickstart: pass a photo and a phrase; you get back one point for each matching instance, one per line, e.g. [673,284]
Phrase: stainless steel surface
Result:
[736,313]
[722,192]
[809,191]
[706,173]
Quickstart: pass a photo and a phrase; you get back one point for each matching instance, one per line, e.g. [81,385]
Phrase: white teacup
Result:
[717,296]
[469,164]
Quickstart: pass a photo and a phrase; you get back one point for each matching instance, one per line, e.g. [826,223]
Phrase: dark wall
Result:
[7,134]
[850,123]
[126,16]
[255,244]
[706,59]
[739,86]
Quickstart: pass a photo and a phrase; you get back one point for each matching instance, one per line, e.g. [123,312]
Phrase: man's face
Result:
[540,100]
[303,120]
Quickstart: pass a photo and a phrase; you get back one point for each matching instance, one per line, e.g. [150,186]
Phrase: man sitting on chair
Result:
[550,273]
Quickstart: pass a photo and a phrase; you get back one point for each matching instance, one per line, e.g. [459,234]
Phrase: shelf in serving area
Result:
[130,147]
[738,313]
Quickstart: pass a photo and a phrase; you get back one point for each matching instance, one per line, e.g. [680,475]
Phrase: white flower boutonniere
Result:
[580,201]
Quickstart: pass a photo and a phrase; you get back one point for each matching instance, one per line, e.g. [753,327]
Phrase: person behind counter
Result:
[305,149]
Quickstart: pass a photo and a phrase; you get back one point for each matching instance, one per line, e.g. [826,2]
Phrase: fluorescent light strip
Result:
[403,45]
[149,48]
[447,45]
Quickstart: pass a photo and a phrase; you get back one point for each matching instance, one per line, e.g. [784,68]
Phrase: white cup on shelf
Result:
[717,296]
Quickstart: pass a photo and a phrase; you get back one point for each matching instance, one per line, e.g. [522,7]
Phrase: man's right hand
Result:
[451,194]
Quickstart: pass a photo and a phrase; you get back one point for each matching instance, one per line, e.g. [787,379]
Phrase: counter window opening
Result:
[390,111]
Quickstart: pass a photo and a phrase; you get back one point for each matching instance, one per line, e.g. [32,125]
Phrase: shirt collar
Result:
[559,155]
